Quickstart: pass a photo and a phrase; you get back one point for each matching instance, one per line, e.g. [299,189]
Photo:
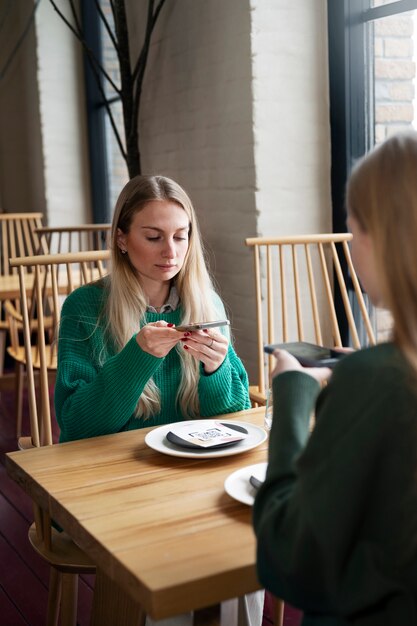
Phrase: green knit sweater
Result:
[97,389]
[336,519]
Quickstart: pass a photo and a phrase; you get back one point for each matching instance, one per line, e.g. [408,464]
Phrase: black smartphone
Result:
[308,354]
[202,325]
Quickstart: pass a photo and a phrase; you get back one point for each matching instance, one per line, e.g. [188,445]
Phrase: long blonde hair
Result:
[127,301]
[382,196]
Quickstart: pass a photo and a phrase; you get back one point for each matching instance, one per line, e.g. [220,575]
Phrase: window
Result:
[372,73]
[108,168]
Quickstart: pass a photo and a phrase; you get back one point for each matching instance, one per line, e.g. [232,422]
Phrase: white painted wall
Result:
[235,107]
[291,116]
[63,119]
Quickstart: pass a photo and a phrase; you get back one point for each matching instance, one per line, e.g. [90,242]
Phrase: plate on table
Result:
[157,440]
[237,484]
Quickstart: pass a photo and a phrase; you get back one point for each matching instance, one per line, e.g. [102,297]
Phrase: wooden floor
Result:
[23,574]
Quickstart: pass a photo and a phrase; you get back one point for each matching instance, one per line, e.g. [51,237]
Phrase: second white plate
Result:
[237,484]
[156,439]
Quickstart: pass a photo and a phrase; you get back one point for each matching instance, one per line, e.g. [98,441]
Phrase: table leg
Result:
[111,605]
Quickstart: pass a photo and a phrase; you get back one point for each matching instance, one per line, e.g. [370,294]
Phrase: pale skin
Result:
[157,245]
[363,258]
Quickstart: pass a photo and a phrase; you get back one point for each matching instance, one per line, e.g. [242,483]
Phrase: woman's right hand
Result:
[158,338]
[286,362]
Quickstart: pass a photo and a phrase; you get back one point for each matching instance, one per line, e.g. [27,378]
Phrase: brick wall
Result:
[394,77]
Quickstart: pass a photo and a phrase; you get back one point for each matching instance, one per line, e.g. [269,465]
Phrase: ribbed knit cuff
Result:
[222,391]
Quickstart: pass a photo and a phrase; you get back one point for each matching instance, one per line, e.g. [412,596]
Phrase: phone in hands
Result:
[202,325]
[308,354]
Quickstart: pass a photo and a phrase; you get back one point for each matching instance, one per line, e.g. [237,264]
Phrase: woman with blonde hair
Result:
[336,518]
[122,364]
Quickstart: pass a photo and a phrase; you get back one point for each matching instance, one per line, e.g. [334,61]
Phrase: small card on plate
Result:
[206,434]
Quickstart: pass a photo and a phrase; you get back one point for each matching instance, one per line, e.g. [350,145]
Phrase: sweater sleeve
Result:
[310,511]
[91,399]
[226,390]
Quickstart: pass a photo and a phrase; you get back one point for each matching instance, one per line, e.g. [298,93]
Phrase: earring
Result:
[123,251]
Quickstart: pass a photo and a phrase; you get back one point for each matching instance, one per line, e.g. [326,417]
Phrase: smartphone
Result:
[202,325]
[308,354]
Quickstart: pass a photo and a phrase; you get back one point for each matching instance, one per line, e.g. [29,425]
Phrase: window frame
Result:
[350,95]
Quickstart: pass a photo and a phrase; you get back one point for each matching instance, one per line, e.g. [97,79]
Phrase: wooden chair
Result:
[63,273]
[295,280]
[18,237]
[54,276]
[62,239]
[52,240]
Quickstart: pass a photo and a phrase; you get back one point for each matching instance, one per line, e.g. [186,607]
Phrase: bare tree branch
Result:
[107,106]
[106,25]
[75,18]
[143,57]
[130,89]
[93,59]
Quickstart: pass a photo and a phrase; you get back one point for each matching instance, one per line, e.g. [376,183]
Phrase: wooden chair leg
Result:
[19,372]
[69,599]
[3,335]
[54,597]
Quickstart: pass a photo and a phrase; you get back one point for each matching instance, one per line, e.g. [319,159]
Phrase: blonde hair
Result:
[127,301]
[382,197]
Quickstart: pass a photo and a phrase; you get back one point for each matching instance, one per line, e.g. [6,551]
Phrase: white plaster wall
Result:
[63,119]
[291,116]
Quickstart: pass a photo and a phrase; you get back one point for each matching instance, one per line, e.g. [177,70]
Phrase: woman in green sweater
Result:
[336,518]
[122,364]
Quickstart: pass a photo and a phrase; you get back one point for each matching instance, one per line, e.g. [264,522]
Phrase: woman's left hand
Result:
[208,346]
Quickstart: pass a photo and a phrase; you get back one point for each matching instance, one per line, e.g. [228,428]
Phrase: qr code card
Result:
[207,433]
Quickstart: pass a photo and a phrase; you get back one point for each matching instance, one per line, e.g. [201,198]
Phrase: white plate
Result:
[156,439]
[237,485]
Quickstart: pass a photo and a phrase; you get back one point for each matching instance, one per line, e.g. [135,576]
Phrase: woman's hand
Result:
[286,362]
[158,338]
[209,347]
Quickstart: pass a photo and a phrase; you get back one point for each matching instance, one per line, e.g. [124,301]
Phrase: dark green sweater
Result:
[97,389]
[336,519]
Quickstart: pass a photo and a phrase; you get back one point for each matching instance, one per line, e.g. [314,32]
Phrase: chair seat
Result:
[18,354]
[65,555]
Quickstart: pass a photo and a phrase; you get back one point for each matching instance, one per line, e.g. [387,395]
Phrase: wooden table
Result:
[161,529]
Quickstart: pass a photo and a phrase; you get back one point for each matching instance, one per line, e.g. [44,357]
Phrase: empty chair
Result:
[297,281]
[53,240]
[46,279]
[54,276]
[18,237]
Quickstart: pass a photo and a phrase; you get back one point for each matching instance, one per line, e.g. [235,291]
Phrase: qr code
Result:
[211,433]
